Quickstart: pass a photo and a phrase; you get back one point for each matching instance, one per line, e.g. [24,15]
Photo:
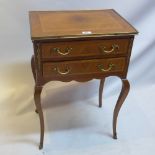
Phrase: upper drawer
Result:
[93,48]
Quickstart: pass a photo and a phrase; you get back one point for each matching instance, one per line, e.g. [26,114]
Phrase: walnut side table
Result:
[81,46]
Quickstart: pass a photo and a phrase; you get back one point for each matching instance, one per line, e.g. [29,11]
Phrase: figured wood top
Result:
[64,24]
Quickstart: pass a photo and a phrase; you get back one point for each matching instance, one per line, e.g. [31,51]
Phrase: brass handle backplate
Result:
[58,50]
[113,48]
[110,67]
[67,70]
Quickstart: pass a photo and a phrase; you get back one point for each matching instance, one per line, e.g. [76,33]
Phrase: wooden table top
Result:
[84,23]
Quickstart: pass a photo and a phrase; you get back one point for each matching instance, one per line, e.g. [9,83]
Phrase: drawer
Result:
[61,50]
[84,67]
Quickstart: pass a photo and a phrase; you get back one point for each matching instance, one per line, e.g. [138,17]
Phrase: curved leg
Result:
[101,91]
[37,98]
[33,67]
[121,99]
[33,72]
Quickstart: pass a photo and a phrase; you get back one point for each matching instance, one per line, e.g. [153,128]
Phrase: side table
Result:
[81,46]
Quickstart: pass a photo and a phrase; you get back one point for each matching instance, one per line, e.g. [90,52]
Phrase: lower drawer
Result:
[83,67]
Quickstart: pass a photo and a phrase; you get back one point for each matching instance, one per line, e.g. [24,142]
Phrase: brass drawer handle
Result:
[113,47]
[67,71]
[67,51]
[106,70]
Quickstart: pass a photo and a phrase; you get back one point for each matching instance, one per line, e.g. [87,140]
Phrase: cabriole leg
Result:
[101,91]
[33,67]
[37,98]
[120,101]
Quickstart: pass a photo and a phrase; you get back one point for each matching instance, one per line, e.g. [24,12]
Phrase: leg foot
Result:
[37,98]
[115,135]
[120,101]
[36,111]
[40,146]
[101,91]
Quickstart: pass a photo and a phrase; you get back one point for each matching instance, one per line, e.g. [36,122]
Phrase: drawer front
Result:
[84,67]
[76,49]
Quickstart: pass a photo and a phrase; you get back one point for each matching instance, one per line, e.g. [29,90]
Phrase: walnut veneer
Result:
[80,45]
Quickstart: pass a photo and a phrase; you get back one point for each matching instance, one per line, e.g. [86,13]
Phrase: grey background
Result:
[74,124]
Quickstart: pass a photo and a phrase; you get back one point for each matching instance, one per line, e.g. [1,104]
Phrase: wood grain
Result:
[83,67]
[106,47]
[52,24]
